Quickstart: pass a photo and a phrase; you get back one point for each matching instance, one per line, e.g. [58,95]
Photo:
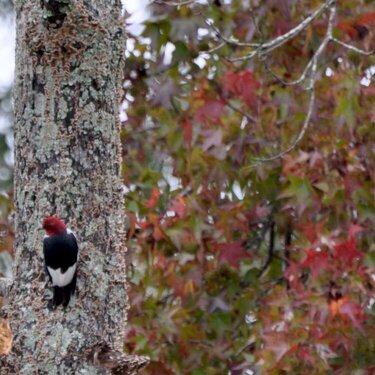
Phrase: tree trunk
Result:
[67,162]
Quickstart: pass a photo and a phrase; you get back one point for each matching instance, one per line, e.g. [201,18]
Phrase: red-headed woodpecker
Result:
[60,255]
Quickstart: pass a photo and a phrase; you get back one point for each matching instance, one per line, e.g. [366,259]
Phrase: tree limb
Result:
[353,48]
[268,47]
[271,246]
[311,87]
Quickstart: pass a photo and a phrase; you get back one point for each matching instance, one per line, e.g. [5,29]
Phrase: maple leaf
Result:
[335,305]
[163,93]
[242,84]
[214,138]
[132,223]
[179,207]
[317,261]
[360,27]
[347,252]
[277,343]
[292,274]
[187,132]
[231,252]
[6,337]
[354,229]
[155,195]
[183,288]
[312,230]
[210,112]
[348,310]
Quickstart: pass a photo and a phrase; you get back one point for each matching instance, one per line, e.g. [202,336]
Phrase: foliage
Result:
[239,264]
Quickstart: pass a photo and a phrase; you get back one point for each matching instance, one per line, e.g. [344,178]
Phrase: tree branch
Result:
[287,245]
[268,47]
[229,41]
[311,87]
[290,83]
[353,48]
[271,246]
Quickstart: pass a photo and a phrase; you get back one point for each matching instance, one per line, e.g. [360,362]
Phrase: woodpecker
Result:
[60,251]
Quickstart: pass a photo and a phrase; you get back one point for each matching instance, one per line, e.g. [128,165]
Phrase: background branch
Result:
[311,88]
[268,47]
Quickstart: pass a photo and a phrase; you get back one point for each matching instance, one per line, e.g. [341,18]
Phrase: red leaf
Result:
[292,275]
[187,132]
[231,252]
[179,207]
[317,261]
[312,230]
[354,229]
[242,84]
[143,224]
[360,27]
[210,112]
[132,222]
[348,310]
[347,252]
[155,194]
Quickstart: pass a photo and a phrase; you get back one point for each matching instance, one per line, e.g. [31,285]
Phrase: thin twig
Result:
[213,49]
[231,41]
[287,246]
[353,48]
[311,87]
[268,47]
[240,111]
[291,83]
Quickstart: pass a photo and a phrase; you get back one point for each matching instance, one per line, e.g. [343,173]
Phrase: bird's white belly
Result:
[62,279]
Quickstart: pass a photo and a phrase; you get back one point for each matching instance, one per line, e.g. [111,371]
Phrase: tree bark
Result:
[67,162]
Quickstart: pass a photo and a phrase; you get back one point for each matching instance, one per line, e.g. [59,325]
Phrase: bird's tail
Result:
[61,295]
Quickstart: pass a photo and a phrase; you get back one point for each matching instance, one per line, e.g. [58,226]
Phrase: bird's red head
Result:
[53,225]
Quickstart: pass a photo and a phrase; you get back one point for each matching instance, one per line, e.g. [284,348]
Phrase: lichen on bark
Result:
[67,162]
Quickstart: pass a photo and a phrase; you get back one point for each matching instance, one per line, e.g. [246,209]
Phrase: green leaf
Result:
[181,53]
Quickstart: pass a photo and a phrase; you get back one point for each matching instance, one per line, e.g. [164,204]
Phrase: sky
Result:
[7,45]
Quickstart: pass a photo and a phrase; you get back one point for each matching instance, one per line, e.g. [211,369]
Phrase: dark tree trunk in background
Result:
[68,65]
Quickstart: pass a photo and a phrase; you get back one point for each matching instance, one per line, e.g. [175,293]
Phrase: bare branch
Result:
[287,248]
[231,41]
[271,246]
[267,47]
[311,87]
[291,83]
[353,48]
[238,110]
[213,49]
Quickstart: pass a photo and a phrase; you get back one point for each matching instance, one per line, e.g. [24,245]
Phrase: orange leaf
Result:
[334,306]
[6,337]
